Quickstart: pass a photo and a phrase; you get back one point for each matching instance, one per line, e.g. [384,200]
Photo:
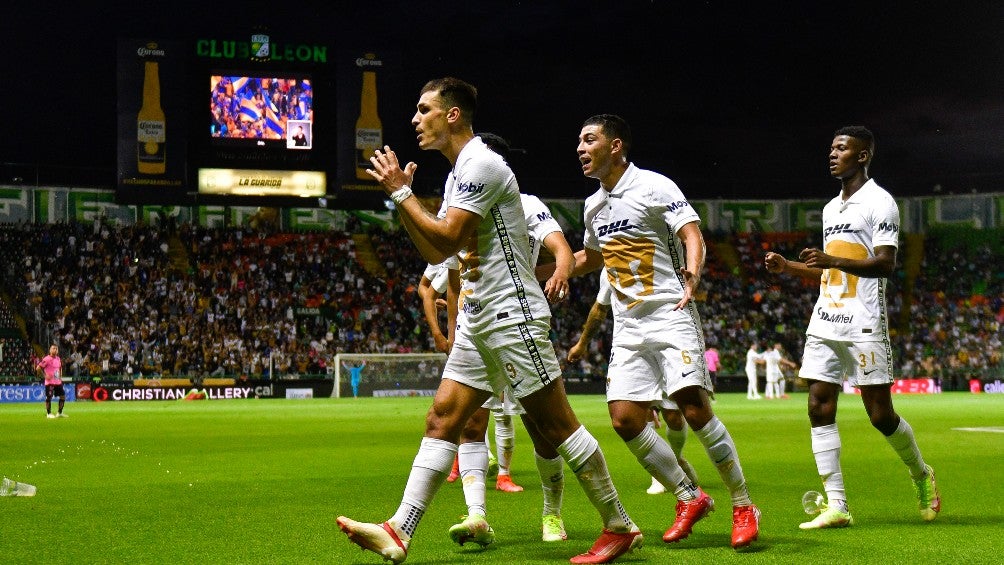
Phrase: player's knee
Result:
[627,426]
[674,419]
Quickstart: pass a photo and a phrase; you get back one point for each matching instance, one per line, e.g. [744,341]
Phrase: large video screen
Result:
[271,112]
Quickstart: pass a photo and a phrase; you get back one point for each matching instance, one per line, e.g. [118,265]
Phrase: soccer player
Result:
[504,338]
[774,359]
[543,231]
[642,231]
[848,333]
[753,358]
[355,376]
[676,426]
[431,288]
[52,367]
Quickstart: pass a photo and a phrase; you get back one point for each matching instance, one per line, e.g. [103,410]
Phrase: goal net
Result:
[387,374]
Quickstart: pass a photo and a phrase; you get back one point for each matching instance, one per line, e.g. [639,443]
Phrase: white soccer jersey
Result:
[439,276]
[852,308]
[505,291]
[751,358]
[604,292]
[772,357]
[539,223]
[634,226]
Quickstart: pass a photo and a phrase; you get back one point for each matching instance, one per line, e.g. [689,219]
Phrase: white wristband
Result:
[401,194]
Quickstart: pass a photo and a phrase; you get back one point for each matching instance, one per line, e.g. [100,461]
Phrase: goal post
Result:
[387,374]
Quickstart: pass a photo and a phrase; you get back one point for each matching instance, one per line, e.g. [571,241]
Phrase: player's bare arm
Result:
[586,261]
[777,264]
[556,286]
[693,242]
[428,296]
[882,264]
[597,313]
[436,238]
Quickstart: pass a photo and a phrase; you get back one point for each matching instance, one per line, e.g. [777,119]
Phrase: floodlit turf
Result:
[261,481]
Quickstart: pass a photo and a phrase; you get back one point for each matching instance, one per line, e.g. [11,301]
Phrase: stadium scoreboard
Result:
[259,122]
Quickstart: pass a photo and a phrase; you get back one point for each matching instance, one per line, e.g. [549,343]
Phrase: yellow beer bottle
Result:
[369,129]
[151,150]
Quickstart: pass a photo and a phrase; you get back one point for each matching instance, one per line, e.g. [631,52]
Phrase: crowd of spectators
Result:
[956,315]
[263,304]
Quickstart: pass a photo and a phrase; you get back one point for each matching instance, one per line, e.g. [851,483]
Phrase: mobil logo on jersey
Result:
[888,227]
[613,227]
[471,187]
[674,206]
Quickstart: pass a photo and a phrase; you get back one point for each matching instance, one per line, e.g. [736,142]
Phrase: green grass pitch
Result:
[261,481]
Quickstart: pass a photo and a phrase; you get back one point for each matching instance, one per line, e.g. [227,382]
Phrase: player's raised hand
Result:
[388,172]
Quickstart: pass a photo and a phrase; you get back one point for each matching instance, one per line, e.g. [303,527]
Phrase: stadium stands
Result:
[194,301]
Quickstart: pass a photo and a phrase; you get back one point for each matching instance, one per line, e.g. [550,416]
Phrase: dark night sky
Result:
[733,102]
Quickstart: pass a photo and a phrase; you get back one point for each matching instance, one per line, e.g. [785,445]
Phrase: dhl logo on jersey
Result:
[839,228]
[613,227]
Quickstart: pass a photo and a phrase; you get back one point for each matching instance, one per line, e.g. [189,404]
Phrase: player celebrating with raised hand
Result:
[848,334]
[504,341]
[642,231]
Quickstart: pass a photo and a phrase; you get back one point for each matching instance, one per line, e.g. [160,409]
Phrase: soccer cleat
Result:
[61,415]
[656,487]
[505,484]
[687,514]
[378,538]
[455,472]
[50,415]
[928,495]
[830,517]
[610,546]
[745,525]
[493,466]
[554,528]
[474,528]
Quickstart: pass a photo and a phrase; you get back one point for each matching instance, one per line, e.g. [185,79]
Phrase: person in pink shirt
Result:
[713,362]
[52,366]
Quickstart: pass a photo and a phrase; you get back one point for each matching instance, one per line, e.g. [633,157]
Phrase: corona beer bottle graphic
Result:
[151,150]
[369,130]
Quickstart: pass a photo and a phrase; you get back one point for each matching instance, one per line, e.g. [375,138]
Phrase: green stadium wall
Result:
[60,205]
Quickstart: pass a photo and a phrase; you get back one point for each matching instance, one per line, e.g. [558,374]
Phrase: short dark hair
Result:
[613,126]
[859,132]
[455,92]
[496,143]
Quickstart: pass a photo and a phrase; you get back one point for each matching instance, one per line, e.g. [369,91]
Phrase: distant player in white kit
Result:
[753,358]
[774,359]
[848,334]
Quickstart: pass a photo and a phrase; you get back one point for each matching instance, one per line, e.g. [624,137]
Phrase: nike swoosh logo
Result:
[688,373]
[870,372]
